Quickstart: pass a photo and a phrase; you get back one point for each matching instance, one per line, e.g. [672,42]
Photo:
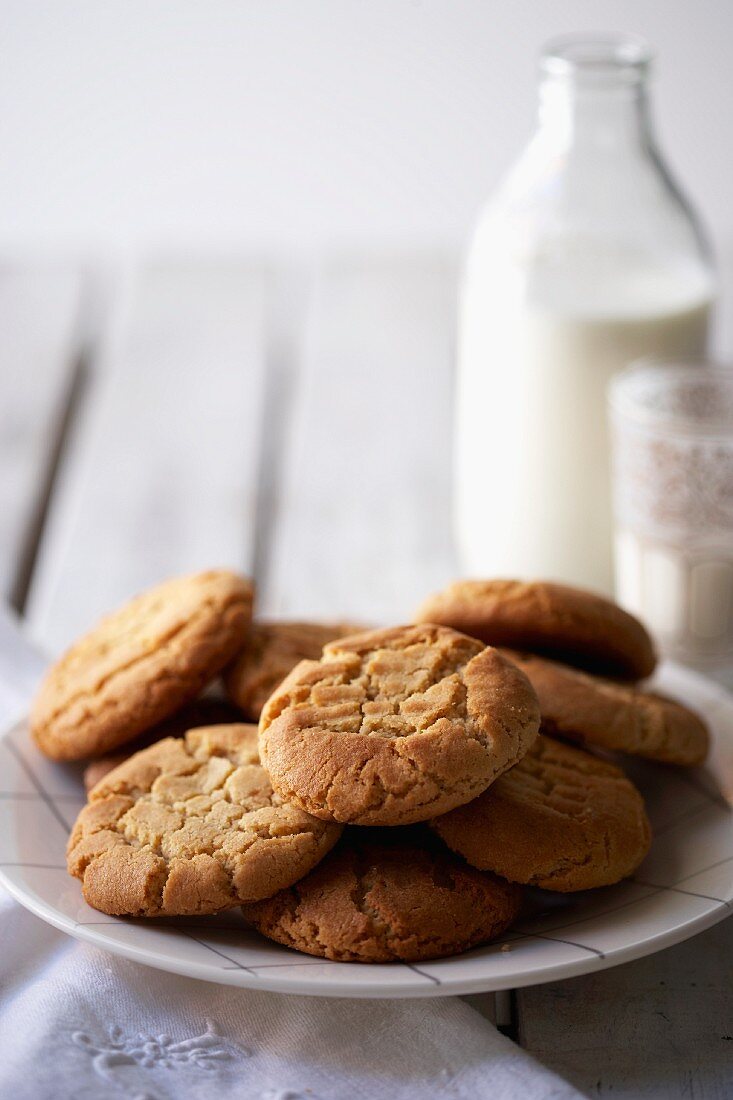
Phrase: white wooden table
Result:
[295,423]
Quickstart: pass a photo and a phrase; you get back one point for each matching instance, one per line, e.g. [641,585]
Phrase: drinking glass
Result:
[672,462]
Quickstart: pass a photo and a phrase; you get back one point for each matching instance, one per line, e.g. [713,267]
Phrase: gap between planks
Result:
[40,335]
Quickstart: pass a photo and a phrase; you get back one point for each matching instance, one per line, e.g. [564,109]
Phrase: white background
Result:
[308,123]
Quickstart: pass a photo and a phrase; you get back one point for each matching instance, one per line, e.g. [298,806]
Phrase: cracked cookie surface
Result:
[208,710]
[141,664]
[395,726]
[559,621]
[271,651]
[613,715]
[191,826]
[374,900]
[561,819]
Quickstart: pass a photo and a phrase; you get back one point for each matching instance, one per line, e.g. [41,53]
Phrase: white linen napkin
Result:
[77,1022]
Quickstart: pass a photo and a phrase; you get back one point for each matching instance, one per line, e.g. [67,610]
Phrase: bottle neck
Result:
[607,117]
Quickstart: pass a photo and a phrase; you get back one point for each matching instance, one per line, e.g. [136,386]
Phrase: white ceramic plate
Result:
[685,885]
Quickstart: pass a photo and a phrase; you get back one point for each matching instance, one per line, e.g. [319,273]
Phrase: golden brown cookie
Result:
[270,652]
[567,623]
[209,710]
[613,715]
[394,726]
[191,826]
[561,819]
[141,664]
[375,901]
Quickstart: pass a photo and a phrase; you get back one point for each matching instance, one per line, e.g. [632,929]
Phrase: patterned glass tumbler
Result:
[672,461]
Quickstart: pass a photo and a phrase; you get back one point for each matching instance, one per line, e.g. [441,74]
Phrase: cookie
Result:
[141,664]
[206,711]
[270,652]
[561,819]
[191,826]
[613,715]
[375,901]
[569,624]
[395,726]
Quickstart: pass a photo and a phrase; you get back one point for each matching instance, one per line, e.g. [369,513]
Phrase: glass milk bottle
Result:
[587,257]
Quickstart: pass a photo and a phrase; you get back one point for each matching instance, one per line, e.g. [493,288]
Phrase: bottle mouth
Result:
[598,58]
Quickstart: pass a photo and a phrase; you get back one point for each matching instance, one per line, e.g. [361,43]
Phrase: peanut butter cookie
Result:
[561,819]
[394,726]
[613,715]
[141,664]
[567,623]
[270,652]
[191,826]
[375,901]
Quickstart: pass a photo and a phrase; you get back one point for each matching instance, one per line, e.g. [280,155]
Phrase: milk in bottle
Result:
[586,259]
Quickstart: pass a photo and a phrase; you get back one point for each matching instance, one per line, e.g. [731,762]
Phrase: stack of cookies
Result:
[401,786]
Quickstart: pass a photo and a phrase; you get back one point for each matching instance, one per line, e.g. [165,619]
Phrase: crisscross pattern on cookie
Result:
[393,726]
[561,819]
[141,664]
[192,826]
[613,715]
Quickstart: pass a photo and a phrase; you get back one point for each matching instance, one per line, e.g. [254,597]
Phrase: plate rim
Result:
[324,987]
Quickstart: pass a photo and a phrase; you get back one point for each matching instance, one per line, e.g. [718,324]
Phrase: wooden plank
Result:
[486,1004]
[657,1029]
[161,475]
[363,525]
[39,342]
